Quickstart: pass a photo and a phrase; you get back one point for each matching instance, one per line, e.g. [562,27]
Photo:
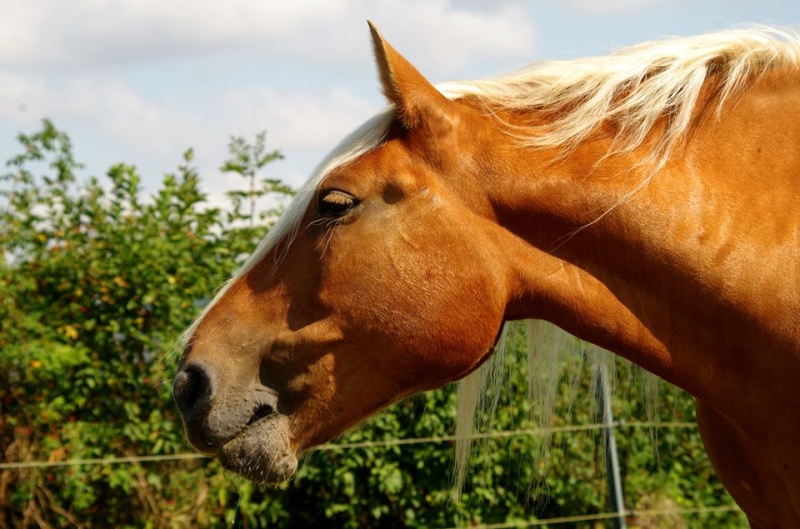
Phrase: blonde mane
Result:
[634,88]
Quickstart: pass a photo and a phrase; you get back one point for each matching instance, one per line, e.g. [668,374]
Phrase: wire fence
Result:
[649,513]
[150,458]
[597,517]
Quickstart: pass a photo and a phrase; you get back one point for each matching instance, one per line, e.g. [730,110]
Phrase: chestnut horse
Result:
[647,202]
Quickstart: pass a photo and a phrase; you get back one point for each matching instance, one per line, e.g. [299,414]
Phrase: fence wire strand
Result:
[645,513]
[648,513]
[112,460]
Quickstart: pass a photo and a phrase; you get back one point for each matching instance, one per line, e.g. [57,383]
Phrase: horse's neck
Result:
[694,276]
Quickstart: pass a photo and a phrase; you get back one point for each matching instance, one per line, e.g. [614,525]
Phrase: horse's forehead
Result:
[395,159]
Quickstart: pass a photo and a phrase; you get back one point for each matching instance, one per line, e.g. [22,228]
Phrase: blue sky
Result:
[141,80]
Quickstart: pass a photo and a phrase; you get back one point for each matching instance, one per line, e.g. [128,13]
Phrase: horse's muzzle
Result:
[238,424]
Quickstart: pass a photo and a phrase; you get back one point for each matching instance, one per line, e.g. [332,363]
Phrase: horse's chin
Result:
[261,452]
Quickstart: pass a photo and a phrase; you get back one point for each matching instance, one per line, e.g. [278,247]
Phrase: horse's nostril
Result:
[264,411]
[192,391]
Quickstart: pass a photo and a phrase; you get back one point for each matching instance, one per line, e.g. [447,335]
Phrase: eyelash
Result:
[341,204]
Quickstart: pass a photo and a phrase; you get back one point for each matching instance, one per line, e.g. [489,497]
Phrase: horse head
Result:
[389,283]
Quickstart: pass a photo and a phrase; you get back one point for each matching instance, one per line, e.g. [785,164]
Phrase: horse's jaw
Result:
[262,451]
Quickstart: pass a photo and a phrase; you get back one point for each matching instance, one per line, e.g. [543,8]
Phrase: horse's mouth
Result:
[262,451]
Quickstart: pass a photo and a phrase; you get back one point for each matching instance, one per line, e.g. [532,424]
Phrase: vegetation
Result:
[97,281]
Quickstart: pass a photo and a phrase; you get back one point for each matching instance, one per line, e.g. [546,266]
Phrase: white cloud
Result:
[97,33]
[295,120]
[612,6]
[439,34]
[161,129]
[41,42]
[107,105]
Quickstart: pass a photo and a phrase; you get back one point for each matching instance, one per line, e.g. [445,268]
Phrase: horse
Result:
[645,202]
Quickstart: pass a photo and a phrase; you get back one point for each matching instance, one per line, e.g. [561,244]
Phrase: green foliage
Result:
[247,160]
[96,283]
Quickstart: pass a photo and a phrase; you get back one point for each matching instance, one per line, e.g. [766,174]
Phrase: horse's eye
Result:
[335,203]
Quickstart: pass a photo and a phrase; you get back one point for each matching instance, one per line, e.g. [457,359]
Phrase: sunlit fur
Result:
[636,89]
[361,141]
[633,87]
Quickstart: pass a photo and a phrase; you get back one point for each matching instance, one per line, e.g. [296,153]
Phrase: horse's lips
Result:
[262,451]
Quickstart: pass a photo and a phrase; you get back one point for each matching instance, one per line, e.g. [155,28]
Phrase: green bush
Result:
[98,280]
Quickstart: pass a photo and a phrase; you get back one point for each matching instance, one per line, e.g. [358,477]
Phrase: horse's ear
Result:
[417,101]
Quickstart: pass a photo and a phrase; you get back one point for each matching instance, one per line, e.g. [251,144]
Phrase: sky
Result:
[140,81]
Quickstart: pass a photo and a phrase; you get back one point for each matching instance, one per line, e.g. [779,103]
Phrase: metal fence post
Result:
[606,417]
